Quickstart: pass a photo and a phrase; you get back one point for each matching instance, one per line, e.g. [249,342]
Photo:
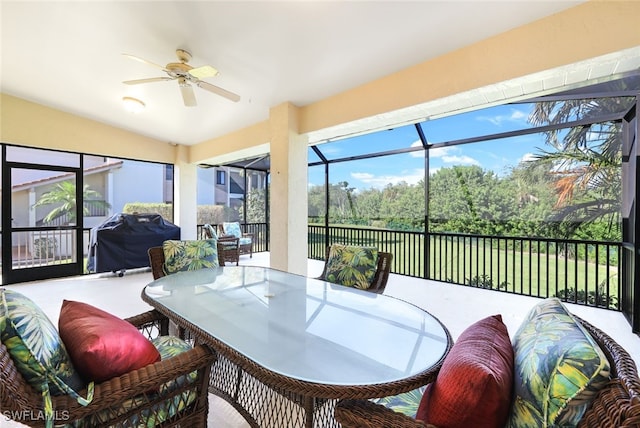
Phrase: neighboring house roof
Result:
[55,178]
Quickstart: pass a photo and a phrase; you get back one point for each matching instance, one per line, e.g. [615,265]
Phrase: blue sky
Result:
[498,155]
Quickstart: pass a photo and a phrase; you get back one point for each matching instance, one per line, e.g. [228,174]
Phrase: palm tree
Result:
[64,196]
[584,162]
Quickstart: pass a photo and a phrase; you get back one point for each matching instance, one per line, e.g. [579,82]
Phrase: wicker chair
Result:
[381,277]
[229,250]
[617,405]
[121,400]
[246,239]
[228,246]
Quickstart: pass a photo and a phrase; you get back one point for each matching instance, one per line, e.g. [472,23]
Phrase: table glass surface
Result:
[305,328]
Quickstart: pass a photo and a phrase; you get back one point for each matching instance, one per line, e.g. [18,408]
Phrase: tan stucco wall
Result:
[30,124]
[244,143]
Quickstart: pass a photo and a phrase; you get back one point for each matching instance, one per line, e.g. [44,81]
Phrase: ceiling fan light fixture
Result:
[132,105]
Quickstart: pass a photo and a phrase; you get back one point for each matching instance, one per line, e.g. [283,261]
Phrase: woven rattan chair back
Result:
[156,261]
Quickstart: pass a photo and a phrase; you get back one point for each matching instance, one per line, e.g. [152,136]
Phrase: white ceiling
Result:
[68,55]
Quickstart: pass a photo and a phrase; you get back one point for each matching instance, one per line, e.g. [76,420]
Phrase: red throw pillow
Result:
[473,388]
[101,345]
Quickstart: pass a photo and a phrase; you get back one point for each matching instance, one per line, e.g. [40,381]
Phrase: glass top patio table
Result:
[303,328]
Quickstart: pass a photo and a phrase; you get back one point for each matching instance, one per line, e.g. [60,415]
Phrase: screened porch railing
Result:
[582,272]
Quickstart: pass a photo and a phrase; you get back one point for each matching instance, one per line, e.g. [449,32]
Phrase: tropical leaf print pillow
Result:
[189,255]
[559,369]
[406,403]
[351,266]
[38,351]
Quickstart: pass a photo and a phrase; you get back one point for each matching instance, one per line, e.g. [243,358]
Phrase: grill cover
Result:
[122,241]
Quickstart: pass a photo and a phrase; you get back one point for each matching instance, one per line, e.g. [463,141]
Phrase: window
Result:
[220,177]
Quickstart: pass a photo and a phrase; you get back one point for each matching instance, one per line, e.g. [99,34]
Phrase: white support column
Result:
[32,210]
[288,206]
[185,201]
[109,194]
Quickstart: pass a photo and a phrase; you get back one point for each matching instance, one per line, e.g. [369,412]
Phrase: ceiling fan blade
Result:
[188,96]
[204,71]
[148,80]
[219,91]
[137,58]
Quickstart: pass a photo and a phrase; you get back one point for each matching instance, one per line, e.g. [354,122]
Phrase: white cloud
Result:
[417,154]
[442,152]
[448,155]
[460,160]
[380,181]
[527,157]
[515,116]
[363,176]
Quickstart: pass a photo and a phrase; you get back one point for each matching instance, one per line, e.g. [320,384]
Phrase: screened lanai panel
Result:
[312,156]
[526,186]
[402,137]
[42,157]
[488,121]
[379,192]
[317,206]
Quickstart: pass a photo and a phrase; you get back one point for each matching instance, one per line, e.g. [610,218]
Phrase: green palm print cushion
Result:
[167,346]
[38,351]
[351,266]
[559,369]
[406,403]
[189,255]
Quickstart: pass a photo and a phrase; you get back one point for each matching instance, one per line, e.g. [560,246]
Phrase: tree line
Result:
[467,199]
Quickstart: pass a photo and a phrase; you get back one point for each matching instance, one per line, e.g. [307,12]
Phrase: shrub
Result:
[165,210]
[484,281]
[216,214]
[580,296]
[212,214]
[44,247]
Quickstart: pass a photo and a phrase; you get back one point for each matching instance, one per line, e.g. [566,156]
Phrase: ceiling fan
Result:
[186,76]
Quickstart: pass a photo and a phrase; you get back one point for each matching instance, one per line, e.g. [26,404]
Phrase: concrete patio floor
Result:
[456,306]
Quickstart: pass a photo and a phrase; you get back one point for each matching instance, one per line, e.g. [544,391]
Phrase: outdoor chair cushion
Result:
[38,351]
[473,387]
[170,346]
[233,229]
[189,255]
[559,368]
[351,266]
[101,345]
[406,403]
[167,347]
